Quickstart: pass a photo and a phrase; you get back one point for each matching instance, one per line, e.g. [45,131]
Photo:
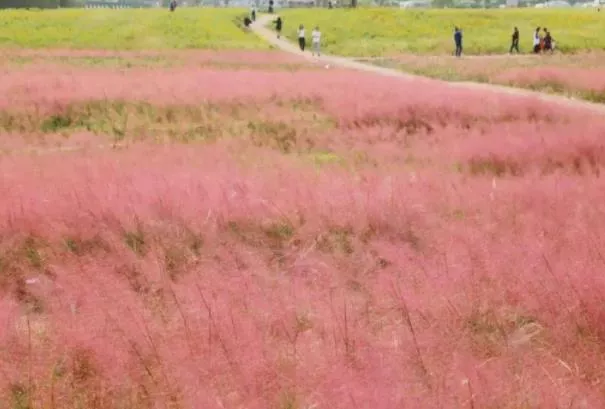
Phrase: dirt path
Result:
[269,35]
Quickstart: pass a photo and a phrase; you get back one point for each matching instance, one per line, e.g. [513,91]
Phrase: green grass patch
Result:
[593,96]
[324,158]
[287,126]
[128,29]
[380,32]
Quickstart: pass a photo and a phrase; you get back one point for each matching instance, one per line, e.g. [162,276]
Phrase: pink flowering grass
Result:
[580,74]
[456,264]
[193,281]
[42,87]
[311,109]
[589,82]
[250,57]
[19,59]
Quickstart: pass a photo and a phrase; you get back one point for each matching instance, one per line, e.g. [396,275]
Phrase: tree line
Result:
[42,4]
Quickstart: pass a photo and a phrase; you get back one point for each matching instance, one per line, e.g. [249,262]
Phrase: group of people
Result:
[251,18]
[541,43]
[302,39]
[544,42]
[315,40]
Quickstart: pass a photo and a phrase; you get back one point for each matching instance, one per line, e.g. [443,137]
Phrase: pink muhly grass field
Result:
[192,281]
[580,75]
[202,276]
[249,57]
[40,85]
[573,79]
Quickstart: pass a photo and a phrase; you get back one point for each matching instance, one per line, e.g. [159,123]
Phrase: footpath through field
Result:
[259,27]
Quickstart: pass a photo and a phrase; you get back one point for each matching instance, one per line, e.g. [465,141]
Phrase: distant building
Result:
[300,3]
[119,4]
[415,4]
[557,4]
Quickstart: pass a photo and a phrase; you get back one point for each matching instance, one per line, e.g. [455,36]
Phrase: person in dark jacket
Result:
[172,5]
[458,41]
[302,41]
[547,40]
[278,26]
[515,41]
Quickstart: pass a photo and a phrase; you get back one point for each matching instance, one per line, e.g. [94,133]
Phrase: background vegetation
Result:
[362,32]
[126,29]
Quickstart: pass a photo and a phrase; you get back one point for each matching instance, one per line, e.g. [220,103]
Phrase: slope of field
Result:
[384,32]
[218,238]
[126,29]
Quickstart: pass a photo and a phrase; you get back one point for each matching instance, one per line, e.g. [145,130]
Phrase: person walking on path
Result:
[253,13]
[458,41]
[278,26]
[301,37]
[515,41]
[537,41]
[316,40]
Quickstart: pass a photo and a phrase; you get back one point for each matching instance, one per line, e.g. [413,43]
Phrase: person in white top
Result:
[316,40]
[301,37]
[537,41]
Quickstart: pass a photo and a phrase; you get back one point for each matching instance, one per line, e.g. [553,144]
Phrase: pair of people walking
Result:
[302,40]
[315,40]
[543,42]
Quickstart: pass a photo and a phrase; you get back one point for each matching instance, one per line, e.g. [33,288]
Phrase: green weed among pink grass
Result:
[450,257]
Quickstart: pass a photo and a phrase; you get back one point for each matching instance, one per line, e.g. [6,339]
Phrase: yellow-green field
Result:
[384,32]
[126,29]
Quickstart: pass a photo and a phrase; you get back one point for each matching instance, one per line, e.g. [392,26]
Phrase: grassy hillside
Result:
[374,32]
[126,29]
